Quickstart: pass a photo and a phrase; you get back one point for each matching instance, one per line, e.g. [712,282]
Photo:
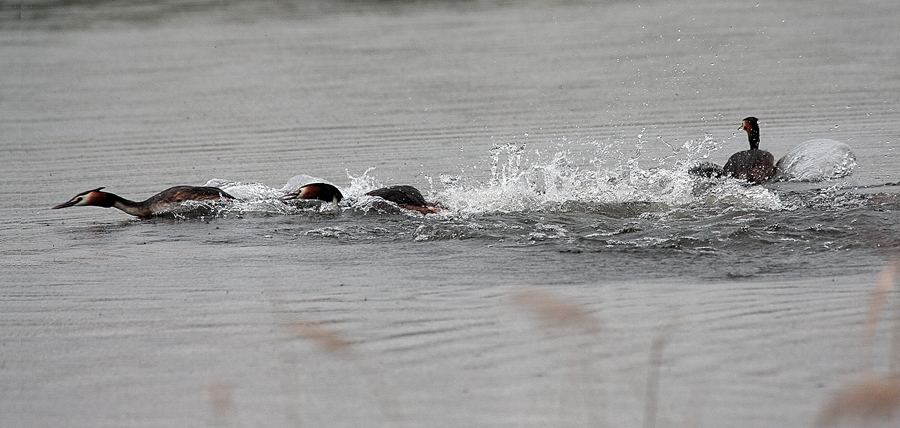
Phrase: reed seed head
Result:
[327,339]
[869,399]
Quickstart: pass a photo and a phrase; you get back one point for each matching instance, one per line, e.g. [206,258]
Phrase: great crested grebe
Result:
[321,191]
[157,204]
[753,165]
[406,197]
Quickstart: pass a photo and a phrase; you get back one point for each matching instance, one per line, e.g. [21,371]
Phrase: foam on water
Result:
[259,198]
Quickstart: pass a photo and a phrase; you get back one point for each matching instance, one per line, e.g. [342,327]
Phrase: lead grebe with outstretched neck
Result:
[160,203]
[753,165]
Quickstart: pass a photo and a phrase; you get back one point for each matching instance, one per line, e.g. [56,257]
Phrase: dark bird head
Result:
[320,191]
[91,197]
[751,125]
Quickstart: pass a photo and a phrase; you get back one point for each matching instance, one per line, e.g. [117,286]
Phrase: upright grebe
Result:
[406,197]
[320,191]
[157,204]
[753,165]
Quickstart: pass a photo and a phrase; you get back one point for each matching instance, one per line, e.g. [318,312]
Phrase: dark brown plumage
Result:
[406,197]
[753,165]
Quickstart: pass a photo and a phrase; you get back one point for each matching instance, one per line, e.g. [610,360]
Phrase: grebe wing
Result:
[189,193]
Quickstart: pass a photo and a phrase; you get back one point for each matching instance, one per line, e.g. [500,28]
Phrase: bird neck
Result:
[138,209]
[753,136]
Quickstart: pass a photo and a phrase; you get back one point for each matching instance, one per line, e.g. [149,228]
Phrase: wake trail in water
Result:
[614,201]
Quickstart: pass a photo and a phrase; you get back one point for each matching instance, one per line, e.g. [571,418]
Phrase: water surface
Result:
[556,136]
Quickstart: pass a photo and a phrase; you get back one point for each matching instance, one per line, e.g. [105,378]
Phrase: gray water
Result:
[557,137]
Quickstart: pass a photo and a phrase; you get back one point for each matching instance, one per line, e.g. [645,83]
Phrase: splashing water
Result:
[816,160]
[558,183]
[613,200]
[586,176]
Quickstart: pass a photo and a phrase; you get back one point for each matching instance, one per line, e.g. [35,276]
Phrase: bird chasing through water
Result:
[320,191]
[755,166]
[406,197]
[168,201]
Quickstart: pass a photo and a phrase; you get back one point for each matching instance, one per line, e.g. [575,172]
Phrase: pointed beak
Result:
[67,204]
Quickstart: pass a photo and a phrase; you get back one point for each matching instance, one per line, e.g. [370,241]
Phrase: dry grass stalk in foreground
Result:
[873,397]
[656,359]
[314,332]
[333,342]
[869,399]
[556,312]
[888,278]
[219,396]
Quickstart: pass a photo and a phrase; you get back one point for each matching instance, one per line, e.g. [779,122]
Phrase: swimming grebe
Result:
[321,191]
[753,165]
[406,197]
[159,203]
